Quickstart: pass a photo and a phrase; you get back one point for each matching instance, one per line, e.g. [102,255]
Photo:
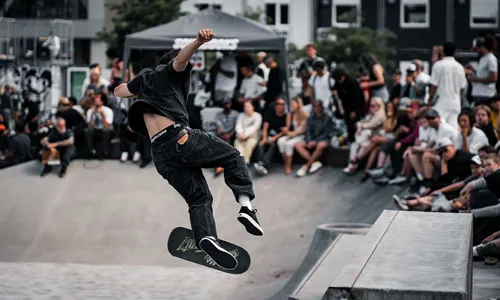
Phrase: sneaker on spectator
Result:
[46,170]
[260,168]
[381,179]
[315,167]
[302,171]
[144,163]
[62,172]
[136,157]
[377,172]
[398,180]
[400,203]
[124,157]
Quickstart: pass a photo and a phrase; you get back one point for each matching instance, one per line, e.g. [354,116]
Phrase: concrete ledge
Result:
[410,255]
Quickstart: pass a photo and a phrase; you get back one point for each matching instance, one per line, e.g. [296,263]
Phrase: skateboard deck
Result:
[181,244]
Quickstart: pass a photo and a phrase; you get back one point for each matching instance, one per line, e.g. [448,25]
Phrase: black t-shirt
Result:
[20,146]
[274,84]
[493,182]
[56,136]
[353,99]
[33,110]
[490,134]
[164,89]
[275,122]
[459,166]
[73,118]
[395,91]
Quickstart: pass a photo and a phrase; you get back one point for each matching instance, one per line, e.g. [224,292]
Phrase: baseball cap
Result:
[476,160]
[411,68]
[443,142]
[431,114]
[397,71]
[227,100]
[404,103]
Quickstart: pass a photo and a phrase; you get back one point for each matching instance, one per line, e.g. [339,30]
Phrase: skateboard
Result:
[181,244]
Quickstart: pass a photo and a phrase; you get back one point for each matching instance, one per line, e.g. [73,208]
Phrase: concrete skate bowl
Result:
[101,232]
[323,237]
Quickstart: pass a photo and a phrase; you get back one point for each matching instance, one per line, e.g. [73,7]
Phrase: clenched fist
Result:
[205,35]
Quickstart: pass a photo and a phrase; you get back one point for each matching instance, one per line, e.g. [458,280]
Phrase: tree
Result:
[345,45]
[136,15]
[255,14]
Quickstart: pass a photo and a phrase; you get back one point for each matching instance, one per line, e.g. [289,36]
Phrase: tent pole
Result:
[284,59]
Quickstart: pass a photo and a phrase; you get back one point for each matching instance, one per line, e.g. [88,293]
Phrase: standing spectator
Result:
[396,87]
[376,81]
[261,69]
[226,71]
[318,129]
[350,102]
[59,143]
[422,81]
[247,131]
[483,115]
[276,125]
[447,81]
[305,70]
[286,144]
[470,139]
[274,83]
[95,70]
[321,84]
[484,81]
[252,87]
[100,124]
[408,90]
[19,148]
[226,123]
[30,109]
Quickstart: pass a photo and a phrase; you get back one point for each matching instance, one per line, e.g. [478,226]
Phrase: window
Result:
[47,9]
[270,14]
[341,9]
[284,14]
[203,6]
[415,14]
[483,13]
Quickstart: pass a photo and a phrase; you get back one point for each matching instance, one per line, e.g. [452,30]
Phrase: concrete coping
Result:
[348,228]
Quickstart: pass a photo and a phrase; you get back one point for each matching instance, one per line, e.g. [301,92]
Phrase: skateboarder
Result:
[180,152]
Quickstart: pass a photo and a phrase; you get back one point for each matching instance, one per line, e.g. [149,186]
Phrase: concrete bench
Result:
[410,255]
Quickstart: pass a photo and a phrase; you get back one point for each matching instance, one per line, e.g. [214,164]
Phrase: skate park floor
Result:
[101,232]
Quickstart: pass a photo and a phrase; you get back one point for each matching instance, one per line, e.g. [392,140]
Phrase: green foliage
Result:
[253,14]
[345,45]
[136,15]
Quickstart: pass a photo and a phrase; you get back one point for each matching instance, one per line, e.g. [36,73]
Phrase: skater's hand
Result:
[205,35]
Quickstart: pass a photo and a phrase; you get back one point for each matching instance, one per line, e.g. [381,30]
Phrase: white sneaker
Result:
[315,167]
[302,171]
[378,172]
[124,157]
[398,180]
[260,168]
[400,203]
[136,157]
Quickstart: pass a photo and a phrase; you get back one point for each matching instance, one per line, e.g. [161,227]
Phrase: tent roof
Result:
[251,35]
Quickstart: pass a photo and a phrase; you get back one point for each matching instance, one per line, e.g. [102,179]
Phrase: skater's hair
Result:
[167,57]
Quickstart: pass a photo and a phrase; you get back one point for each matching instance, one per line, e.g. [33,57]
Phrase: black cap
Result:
[227,100]
[398,72]
[431,114]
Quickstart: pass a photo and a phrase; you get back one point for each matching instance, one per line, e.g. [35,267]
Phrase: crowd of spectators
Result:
[437,132]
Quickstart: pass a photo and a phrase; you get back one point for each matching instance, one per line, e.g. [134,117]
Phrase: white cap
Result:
[443,142]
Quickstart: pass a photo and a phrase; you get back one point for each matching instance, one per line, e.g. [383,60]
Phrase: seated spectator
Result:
[18,150]
[483,115]
[470,138]
[318,129]
[226,123]
[485,150]
[58,144]
[490,246]
[450,192]
[385,135]
[276,124]
[431,159]
[247,131]
[252,87]
[100,125]
[286,143]
[367,128]
[495,111]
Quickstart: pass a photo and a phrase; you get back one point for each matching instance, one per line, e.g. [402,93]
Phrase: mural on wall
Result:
[31,79]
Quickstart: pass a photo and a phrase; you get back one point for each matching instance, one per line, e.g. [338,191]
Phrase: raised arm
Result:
[182,59]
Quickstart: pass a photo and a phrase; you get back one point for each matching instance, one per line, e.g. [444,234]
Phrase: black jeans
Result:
[66,155]
[181,164]
[395,155]
[98,139]
[265,153]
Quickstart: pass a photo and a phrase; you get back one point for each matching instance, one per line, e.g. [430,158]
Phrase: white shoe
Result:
[400,203]
[124,157]
[398,180]
[260,168]
[302,171]
[136,157]
[315,167]
[378,172]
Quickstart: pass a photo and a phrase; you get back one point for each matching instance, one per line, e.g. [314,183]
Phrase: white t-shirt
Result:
[476,139]
[92,114]
[422,81]
[487,64]
[322,87]
[248,125]
[425,134]
[449,77]
[222,82]
[265,70]
[250,87]
[445,130]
